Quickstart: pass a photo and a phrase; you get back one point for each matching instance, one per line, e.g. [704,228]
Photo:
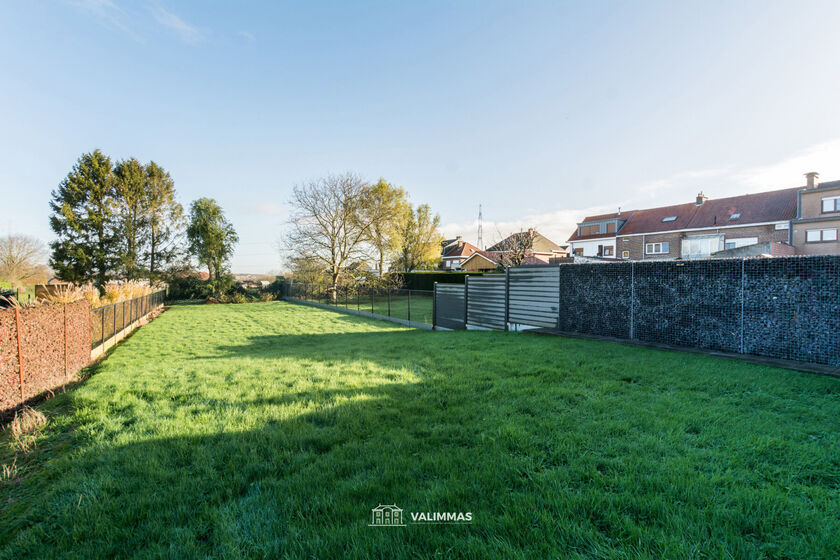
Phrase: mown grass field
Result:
[271,430]
[419,309]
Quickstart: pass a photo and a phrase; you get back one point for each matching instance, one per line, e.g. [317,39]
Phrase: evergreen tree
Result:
[132,213]
[165,220]
[84,221]
[211,238]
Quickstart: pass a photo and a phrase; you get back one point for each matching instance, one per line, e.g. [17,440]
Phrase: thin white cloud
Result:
[266,209]
[187,33]
[823,158]
[556,225]
[108,14]
[249,37]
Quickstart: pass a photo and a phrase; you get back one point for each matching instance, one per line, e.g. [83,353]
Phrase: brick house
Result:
[818,218]
[540,246]
[804,218]
[454,252]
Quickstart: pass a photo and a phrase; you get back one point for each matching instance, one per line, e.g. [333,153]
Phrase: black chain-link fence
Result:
[108,321]
[416,306]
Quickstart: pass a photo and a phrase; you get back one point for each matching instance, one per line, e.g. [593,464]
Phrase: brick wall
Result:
[636,244]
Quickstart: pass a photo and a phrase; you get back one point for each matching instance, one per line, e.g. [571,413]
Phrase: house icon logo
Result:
[385,515]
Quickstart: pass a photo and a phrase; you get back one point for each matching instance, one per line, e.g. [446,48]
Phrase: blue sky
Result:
[542,112]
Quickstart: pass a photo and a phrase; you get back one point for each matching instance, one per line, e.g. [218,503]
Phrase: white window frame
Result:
[832,235]
[652,249]
[835,200]
[625,254]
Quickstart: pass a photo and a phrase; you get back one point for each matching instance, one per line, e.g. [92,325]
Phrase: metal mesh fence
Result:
[409,305]
[110,320]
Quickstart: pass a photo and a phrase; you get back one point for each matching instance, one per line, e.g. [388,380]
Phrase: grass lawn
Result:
[271,430]
[421,306]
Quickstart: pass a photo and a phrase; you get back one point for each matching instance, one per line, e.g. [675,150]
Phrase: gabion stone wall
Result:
[689,303]
[42,336]
[787,307]
[596,299]
[792,308]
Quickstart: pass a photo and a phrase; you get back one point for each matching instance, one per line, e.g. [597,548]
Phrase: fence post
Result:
[372,296]
[743,280]
[434,305]
[65,341]
[20,351]
[114,334]
[123,327]
[409,306]
[389,302]
[507,297]
[466,296]
[358,299]
[632,298]
[102,334]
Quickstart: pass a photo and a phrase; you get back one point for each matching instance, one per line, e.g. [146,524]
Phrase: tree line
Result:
[341,225]
[122,220]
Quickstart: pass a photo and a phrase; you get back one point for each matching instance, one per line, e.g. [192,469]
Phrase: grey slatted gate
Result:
[449,311]
[534,298]
[486,298]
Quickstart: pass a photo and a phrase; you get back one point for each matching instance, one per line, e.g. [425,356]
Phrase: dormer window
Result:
[735,216]
[669,219]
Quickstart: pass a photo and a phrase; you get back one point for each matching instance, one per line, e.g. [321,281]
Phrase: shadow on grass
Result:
[553,452]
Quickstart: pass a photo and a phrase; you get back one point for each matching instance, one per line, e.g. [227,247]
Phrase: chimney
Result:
[701,198]
[811,177]
[530,232]
[460,240]
[619,210]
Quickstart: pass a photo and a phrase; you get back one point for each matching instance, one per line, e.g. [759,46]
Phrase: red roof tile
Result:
[773,206]
[461,250]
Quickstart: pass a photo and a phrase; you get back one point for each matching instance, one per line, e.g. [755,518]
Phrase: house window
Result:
[658,248]
[579,251]
[735,216]
[590,230]
[611,227]
[700,246]
[608,251]
[820,235]
[831,204]
[669,219]
[625,254]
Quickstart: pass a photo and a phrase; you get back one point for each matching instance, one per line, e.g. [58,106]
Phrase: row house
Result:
[801,220]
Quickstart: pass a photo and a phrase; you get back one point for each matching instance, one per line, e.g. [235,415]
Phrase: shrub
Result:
[188,287]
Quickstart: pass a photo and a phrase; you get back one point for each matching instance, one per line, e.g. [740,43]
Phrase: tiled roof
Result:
[460,250]
[492,256]
[624,215]
[540,242]
[773,206]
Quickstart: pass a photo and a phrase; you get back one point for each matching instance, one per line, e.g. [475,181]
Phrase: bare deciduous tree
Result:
[21,258]
[328,224]
[515,248]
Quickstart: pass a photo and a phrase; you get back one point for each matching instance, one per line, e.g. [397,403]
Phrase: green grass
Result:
[24,294]
[420,312]
[271,430]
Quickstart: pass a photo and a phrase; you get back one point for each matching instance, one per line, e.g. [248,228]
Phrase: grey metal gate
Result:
[486,297]
[450,306]
[534,295]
